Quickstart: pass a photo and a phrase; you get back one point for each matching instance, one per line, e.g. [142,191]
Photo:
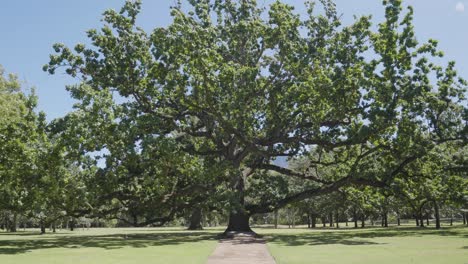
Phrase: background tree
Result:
[19,141]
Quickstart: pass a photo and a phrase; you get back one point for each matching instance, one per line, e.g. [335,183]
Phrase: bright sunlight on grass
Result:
[108,246]
[288,246]
[381,246]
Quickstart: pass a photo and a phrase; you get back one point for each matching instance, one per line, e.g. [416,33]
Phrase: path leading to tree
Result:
[241,249]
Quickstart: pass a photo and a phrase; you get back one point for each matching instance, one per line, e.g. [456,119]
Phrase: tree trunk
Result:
[6,221]
[54,227]
[437,214]
[276,219]
[417,220]
[464,219]
[72,224]
[135,220]
[451,219]
[238,218]
[337,220]
[308,220]
[323,221]
[43,227]
[398,219]
[293,220]
[14,222]
[314,221]
[195,219]
[331,219]
[363,221]
[239,222]
[421,220]
[427,219]
[355,219]
[386,219]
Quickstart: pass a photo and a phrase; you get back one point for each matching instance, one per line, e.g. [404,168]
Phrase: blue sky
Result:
[28,29]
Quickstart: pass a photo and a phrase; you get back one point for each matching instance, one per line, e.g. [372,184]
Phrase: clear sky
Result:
[28,28]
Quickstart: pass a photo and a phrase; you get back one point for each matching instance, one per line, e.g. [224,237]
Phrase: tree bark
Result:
[363,221]
[43,227]
[14,223]
[6,221]
[238,218]
[337,220]
[427,219]
[323,222]
[293,220]
[437,214]
[417,220]
[314,221]
[331,219]
[276,219]
[135,220]
[195,219]
[464,219]
[54,227]
[386,219]
[451,219]
[355,218]
[238,222]
[72,224]
[308,221]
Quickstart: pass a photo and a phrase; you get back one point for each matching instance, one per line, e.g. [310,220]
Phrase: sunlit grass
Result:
[112,246]
[374,245]
[288,246]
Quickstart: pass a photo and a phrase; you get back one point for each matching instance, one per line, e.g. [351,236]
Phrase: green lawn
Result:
[381,246]
[108,246]
[288,246]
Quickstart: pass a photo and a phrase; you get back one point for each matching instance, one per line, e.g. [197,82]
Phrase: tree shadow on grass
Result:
[317,239]
[108,242]
[355,237]
[19,234]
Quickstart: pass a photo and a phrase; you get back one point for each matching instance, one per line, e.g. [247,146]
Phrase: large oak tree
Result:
[232,81]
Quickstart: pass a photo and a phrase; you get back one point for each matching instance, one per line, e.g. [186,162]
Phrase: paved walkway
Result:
[241,249]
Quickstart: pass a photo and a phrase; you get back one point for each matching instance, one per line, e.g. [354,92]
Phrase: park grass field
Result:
[288,246]
[108,246]
[365,246]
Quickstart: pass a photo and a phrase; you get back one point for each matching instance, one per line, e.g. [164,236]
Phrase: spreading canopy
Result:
[244,85]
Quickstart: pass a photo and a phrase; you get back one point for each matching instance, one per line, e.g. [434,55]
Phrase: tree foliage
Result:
[243,85]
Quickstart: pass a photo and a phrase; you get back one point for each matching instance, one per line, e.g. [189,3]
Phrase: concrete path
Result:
[241,249]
